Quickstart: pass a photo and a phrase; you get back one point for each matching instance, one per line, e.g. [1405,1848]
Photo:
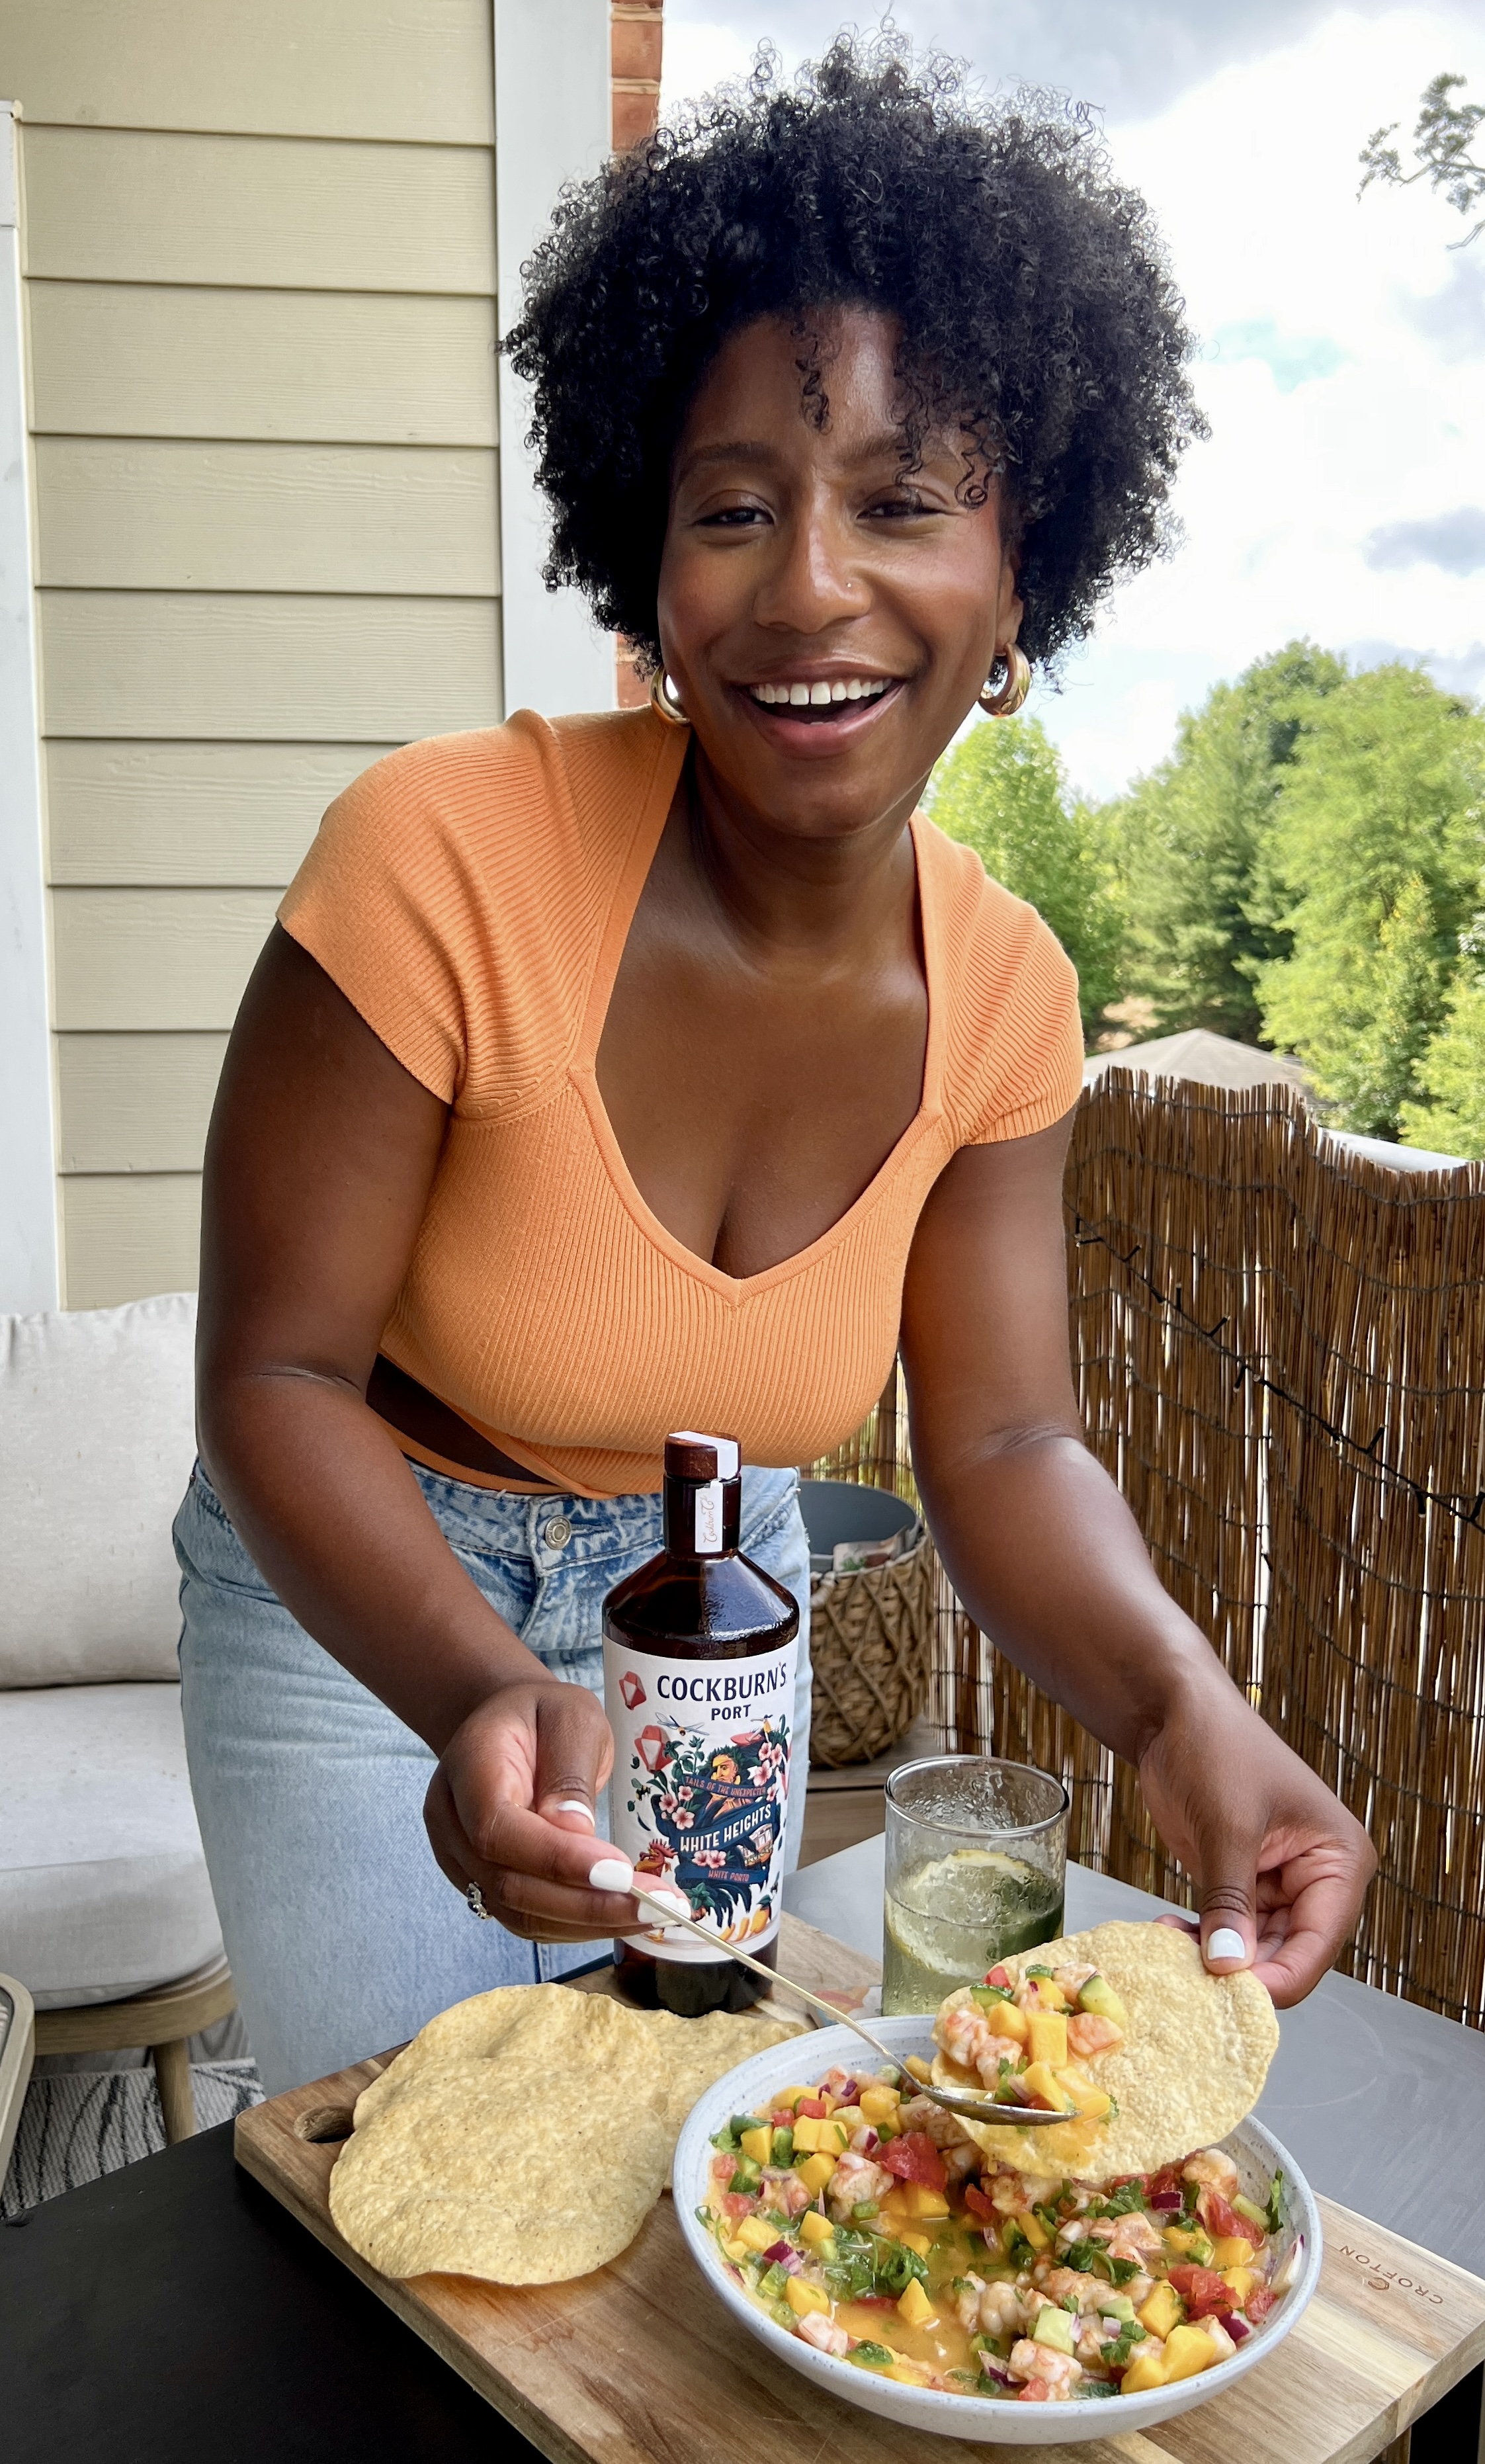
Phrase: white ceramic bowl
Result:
[746,2089]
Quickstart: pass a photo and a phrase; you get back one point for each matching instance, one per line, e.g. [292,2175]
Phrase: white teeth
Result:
[816,697]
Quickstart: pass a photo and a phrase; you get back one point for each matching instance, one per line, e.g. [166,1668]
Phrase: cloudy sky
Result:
[1342,345]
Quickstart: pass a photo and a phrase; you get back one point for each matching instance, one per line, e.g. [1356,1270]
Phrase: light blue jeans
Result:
[342,1934]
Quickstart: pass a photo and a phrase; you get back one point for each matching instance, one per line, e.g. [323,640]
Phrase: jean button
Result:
[558,1532]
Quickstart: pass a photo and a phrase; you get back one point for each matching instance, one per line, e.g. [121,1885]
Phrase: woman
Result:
[662,1070]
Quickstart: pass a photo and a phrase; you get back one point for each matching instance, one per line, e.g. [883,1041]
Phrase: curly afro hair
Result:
[1033,306]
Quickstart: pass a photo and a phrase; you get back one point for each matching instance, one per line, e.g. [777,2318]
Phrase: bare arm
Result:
[1048,1559]
[319,1161]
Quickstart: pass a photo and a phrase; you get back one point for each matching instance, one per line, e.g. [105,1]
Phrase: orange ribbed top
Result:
[471,895]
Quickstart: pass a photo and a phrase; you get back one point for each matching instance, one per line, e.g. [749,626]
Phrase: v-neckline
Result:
[582,1070]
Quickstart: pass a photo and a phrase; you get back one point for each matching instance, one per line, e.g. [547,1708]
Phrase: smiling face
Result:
[827,617]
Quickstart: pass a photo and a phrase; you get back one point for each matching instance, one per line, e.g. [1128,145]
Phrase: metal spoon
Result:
[954,2100]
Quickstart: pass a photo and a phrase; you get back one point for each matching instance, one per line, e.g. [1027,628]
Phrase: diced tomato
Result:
[914,2158]
[1034,2391]
[1000,1976]
[811,2105]
[976,2201]
[1222,2221]
[736,2204]
[873,2301]
[1260,2302]
[1202,2290]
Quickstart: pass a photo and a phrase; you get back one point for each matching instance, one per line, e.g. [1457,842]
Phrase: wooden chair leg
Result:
[173,2079]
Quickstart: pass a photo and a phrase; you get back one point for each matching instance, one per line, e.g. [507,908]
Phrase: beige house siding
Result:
[258,249]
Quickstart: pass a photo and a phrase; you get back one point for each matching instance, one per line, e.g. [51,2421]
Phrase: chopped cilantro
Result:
[1125,2201]
[872,2357]
[1278,2205]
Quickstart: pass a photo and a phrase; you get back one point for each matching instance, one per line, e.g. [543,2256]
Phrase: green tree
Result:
[1194,839]
[1375,843]
[1003,792]
[1449,1116]
[1444,141]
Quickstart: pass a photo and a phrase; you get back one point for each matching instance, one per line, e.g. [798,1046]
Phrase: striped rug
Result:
[76,2127]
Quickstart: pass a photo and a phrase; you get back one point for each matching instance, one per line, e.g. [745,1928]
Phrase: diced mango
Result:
[1093,2102]
[1049,1994]
[1146,2370]
[735,2249]
[754,2235]
[1188,2350]
[1231,2250]
[788,2096]
[1240,2281]
[1161,2310]
[920,2069]
[826,2138]
[920,2242]
[828,2101]
[815,2172]
[1188,2242]
[879,2103]
[914,2305]
[1004,2019]
[758,2144]
[1031,2227]
[815,2229]
[1037,2080]
[1047,2037]
[804,2298]
[923,2202]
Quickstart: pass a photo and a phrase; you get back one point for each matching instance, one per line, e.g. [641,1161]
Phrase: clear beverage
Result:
[977,1854]
[700,1647]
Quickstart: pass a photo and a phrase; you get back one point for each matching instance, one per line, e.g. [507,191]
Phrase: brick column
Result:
[635,43]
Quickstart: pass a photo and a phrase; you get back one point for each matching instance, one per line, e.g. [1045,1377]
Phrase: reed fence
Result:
[1280,1354]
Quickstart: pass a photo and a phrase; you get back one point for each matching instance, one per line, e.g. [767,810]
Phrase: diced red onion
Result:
[1002,2378]
[1165,2202]
[1237,2328]
[782,2253]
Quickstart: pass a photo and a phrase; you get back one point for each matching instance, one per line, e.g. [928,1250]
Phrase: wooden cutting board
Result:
[641,2362]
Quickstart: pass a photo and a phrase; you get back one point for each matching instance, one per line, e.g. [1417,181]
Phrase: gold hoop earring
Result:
[1008,683]
[665,701]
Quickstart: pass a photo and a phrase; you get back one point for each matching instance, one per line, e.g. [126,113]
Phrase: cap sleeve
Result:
[382,901]
[1015,1058]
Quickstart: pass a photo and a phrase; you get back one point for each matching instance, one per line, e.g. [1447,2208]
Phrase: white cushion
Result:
[103,1887]
[97,1440]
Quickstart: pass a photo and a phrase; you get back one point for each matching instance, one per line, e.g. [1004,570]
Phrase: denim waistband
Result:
[555,1532]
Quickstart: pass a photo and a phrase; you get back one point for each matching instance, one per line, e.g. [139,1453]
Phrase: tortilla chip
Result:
[476,2170]
[1195,2055]
[524,2134]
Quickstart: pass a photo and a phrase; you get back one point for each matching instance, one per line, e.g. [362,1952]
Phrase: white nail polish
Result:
[1225,1944]
[610,1874]
[575,1805]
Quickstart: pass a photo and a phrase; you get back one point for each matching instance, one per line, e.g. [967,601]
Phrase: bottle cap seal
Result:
[691,1456]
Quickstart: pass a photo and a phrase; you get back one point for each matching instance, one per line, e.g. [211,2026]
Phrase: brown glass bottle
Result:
[699,1654]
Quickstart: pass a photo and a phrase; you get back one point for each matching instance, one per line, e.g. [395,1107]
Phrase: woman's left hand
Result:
[1277,1857]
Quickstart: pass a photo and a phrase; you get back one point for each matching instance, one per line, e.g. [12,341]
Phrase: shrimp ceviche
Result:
[862,2217]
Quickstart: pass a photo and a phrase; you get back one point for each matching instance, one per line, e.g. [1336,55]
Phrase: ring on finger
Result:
[475,1898]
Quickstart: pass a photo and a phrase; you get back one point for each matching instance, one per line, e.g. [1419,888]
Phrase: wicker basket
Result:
[871,1642]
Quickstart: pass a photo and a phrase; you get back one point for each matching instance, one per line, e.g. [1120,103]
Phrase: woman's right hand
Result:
[512,1807]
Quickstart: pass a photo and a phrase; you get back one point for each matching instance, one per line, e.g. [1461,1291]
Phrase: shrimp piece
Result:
[1213,2170]
[967,2041]
[1150,2348]
[1001,2311]
[855,2179]
[1094,2332]
[1128,2236]
[1058,2372]
[1072,1980]
[1061,2284]
[943,2128]
[1089,2033]
[822,2333]
[967,2301]
[785,2191]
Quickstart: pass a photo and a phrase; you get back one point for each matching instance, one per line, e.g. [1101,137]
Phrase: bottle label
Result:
[709,1519]
[702,1750]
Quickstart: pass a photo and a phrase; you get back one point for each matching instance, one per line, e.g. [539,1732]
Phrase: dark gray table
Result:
[1381,2104]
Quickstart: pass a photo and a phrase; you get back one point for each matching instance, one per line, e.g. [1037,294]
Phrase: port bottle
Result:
[700,1649]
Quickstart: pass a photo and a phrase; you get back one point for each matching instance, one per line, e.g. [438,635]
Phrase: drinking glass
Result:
[977,1854]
